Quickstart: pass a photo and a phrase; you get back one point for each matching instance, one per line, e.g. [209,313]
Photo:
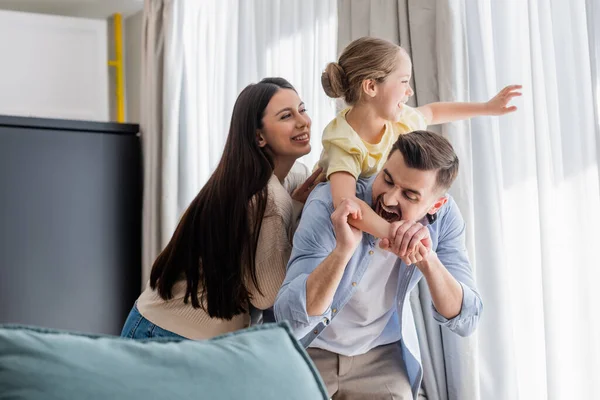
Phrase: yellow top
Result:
[344,150]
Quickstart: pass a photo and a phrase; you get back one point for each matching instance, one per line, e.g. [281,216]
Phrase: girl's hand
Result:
[498,105]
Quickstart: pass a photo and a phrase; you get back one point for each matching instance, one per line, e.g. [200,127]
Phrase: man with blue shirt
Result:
[346,293]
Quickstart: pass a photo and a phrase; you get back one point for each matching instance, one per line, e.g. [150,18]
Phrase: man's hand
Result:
[410,241]
[301,193]
[347,236]
[498,105]
[323,282]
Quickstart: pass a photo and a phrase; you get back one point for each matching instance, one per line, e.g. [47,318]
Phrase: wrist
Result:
[486,108]
[342,253]
[428,265]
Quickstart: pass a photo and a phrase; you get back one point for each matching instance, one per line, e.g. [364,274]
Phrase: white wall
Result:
[100,9]
[53,66]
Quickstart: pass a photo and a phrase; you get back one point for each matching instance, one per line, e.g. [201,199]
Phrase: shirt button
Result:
[326,320]
[353,283]
[334,310]
[371,252]
[316,331]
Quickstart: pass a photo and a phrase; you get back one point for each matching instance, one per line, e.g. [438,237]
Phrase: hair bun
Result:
[334,81]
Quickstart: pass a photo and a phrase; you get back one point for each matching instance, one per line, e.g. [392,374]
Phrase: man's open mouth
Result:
[387,213]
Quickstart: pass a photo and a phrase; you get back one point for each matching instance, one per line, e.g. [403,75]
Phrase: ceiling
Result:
[75,8]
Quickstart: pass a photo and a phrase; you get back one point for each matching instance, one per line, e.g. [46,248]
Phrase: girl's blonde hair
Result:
[364,58]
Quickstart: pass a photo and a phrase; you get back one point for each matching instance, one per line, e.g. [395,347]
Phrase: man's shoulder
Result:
[320,198]
[449,214]
[364,188]
[315,228]
[450,207]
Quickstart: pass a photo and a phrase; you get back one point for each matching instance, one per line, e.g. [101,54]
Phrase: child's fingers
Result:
[510,88]
[351,209]
[510,109]
[358,214]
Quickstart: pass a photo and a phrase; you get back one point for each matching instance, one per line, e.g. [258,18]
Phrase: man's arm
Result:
[451,252]
[446,292]
[447,271]
[323,282]
[323,245]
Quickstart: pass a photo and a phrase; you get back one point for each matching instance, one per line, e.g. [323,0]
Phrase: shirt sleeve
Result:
[411,120]
[451,251]
[343,156]
[313,242]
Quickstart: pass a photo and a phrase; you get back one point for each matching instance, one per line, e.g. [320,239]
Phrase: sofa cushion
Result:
[262,362]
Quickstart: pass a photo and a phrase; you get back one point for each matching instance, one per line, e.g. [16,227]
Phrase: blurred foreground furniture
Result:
[265,362]
[70,223]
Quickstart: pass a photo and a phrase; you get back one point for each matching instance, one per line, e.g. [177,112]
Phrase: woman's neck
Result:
[366,123]
[283,165]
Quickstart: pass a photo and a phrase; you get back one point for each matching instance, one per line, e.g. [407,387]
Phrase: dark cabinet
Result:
[70,223]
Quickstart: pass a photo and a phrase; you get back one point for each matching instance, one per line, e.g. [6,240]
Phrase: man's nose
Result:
[390,199]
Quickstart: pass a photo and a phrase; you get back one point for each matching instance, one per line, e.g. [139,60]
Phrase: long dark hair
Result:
[214,245]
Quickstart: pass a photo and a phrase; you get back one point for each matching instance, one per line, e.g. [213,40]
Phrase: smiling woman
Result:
[285,134]
[231,247]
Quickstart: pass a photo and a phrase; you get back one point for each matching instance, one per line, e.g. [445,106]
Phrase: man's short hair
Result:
[428,151]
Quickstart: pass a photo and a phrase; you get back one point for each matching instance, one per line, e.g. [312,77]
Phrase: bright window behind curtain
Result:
[535,203]
[232,43]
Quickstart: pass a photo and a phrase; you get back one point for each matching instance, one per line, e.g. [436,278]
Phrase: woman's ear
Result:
[260,139]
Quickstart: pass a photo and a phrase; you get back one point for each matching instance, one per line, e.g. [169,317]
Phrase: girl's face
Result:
[395,90]
[286,126]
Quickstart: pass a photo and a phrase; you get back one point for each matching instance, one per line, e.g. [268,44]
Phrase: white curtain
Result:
[198,56]
[156,21]
[529,187]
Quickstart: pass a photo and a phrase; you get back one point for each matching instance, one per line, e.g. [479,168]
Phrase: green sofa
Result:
[263,362]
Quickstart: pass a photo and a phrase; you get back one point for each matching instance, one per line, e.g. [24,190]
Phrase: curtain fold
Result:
[528,186]
[155,15]
[535,195]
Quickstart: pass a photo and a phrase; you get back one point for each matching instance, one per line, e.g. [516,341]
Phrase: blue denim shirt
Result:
[315,240]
